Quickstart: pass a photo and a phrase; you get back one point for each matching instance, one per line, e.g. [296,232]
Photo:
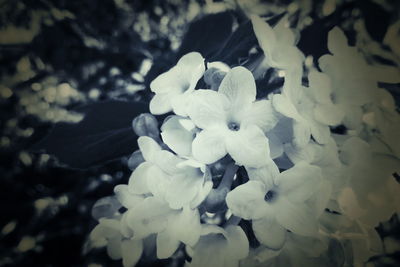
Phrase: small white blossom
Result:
[173,87]
[278,202]
[220,247]
[154,216]
[232,121]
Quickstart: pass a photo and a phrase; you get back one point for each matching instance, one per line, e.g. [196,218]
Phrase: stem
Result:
[233,220]
[227,179]
[216,199]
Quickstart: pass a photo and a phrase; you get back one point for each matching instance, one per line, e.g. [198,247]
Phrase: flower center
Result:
[270,196]
[233,126]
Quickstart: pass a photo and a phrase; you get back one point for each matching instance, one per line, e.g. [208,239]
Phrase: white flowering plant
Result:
[263,157]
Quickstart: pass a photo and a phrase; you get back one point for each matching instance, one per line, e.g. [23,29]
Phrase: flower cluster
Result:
[234,179]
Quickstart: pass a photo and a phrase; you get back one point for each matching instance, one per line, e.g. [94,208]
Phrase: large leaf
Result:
[104,134]
[239,43]
[376,19]
[314,38]
[207,35]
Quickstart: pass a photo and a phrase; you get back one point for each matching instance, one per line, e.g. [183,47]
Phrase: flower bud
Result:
[213,77]
[146,125]
[215,74]
[105,207]
[135,160]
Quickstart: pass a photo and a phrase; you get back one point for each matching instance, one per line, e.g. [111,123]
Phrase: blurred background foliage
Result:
[59,59]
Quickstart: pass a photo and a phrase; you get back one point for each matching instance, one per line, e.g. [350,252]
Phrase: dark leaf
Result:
[104,134]
[207,34]
[238,44]
[314,38]
[376,19]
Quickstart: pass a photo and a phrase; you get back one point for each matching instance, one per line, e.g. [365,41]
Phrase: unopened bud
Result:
[146,125]
[135,160]
[105,207]
[215,74]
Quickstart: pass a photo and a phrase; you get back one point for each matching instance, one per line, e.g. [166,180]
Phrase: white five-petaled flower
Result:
[276,202]
[220,247]
[295,103]
[278,44]
[232,121]
[109,232]
[178,133]
[169,177]
[171,88]
[154,216]
[372,193]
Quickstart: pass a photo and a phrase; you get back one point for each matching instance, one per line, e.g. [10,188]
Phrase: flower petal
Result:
[260,114]
[183,76]
[179,223]
[138,181]
[328,114]
[202,194]
[266,174]
[299,182]
[275,145]
[131,252]
[238,244]
[166,245]
[148,147]
[192,65]
[337,41]
[248,146]
[301,133]
[168,161]
[283,105]
[211,244]
[158,181]
[320,86]
[207,108]
[296,218]
[247,200]
[114,249]
[320,132]
[151,216]
[176,137]
[183,188]
[180,103]
[209,146]
[126,198]
[269,233]
[265,35]
[160,104]
[239,86]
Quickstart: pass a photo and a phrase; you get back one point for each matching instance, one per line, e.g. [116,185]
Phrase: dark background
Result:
[92,57]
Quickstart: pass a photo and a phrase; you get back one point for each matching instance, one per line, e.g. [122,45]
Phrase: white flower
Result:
[232,121]
[109,232]
[320,90]
[178,133]
[127,198]
[278,203]
[278,44]
[154,216]
[372,194]
[325,157]
[297,251]
[384,122]
[169,177]
[354,81]
[173,87]
[219,247]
